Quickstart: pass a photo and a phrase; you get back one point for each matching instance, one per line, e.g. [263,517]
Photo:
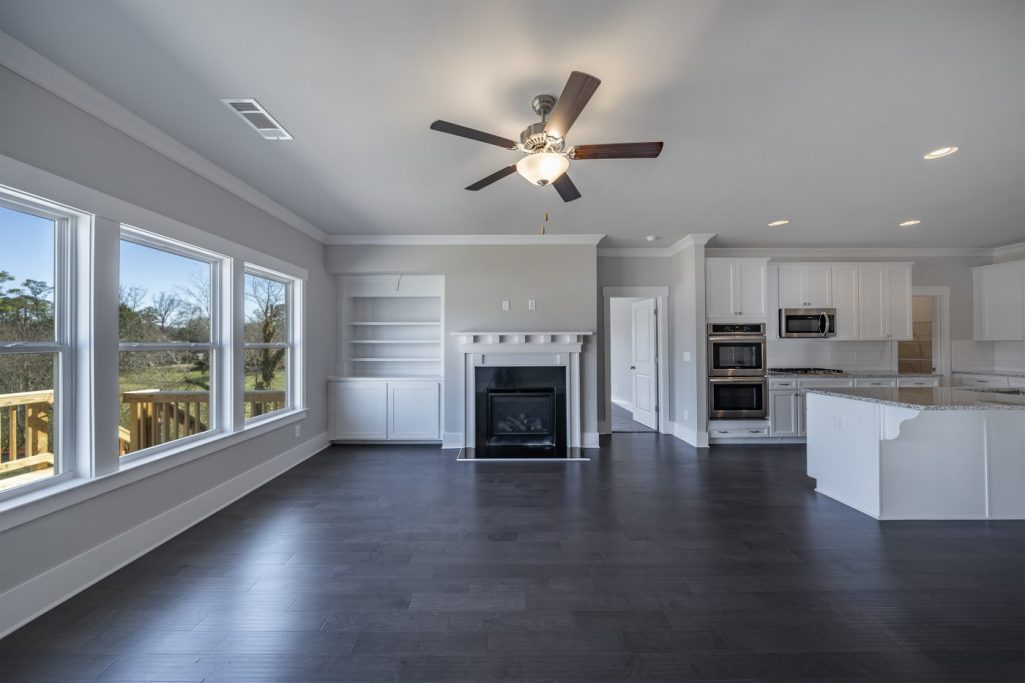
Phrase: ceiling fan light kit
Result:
[544,142]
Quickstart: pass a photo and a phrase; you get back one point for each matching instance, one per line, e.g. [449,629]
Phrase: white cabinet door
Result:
[872,309]
[818,285]
[719,298]
[358,410]
[845,300]
[898,300]
[751,289]
[783,413]
[413,410]
[791,286]
[1002,301]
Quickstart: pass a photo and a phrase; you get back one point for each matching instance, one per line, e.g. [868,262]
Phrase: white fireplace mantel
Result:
[496,349]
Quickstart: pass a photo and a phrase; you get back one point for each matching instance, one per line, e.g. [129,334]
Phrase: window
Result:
[167,329]
[268,351]
[34,342]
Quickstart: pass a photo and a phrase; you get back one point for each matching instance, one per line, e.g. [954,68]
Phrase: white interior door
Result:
[642,365]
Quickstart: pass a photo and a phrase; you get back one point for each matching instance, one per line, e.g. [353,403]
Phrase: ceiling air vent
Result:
[253,113]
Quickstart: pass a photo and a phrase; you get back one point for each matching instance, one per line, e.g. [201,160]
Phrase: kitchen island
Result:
[919,453]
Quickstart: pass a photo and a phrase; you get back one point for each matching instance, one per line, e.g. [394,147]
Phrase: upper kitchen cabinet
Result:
[845,279]
[735,289]
[805,285]
[884,301]
[999,308]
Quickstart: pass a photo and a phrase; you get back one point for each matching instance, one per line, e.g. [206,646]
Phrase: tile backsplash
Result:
[1009,355]
[844,355]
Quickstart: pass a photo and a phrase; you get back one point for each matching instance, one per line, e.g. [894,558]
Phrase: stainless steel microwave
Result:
[812,323]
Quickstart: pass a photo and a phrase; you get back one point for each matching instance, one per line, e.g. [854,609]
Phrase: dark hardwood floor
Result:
[652,561]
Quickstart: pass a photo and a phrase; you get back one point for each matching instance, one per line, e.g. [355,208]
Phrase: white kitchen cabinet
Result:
[884,301]
[784,413]
[1000,301]
[735,289]
[413,410]
[932,381]
[805,285]
[382,410]
[875,382]
[845,300]
[981,381]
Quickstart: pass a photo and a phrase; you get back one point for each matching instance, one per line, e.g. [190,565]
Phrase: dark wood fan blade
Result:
[618,150]
[571,102]
[566,189]
[497,175]
[464,132]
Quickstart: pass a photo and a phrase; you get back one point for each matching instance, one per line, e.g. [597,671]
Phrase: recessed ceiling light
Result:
[940,153]
[651,238]
[909,223]
[776,224]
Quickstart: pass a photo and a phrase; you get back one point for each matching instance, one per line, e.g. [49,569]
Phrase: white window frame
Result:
[65,223]
[220,423]
[293,327]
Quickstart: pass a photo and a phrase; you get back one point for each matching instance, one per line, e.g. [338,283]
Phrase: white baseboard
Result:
[28,600]
[590,439]
[623,403]
[688,435]
[452,440]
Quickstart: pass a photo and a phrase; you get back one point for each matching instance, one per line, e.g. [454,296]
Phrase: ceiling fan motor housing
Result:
[534,139]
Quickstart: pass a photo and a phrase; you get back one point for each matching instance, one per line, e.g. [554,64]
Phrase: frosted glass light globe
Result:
[542,168]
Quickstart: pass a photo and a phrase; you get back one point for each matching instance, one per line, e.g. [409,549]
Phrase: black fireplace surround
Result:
[520,412]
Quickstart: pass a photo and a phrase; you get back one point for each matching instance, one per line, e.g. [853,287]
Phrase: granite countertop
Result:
[931,398]
[999,373]
[783,372]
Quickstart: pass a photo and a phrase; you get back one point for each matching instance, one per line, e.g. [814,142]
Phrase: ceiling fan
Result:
[544,142]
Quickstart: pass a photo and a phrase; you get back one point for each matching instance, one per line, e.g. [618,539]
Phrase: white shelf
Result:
[396,360]
[394,341]
[367,323]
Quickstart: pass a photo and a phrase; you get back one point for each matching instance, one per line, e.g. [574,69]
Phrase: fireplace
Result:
[520,411]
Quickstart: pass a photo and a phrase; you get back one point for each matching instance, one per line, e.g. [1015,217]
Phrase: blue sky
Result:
[26,251]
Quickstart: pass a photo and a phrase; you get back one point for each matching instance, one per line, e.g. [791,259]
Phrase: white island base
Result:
[894,462]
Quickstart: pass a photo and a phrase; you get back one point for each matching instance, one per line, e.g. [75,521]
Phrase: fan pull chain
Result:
[543,230]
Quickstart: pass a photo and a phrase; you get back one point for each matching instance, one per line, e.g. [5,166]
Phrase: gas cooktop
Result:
[805,371]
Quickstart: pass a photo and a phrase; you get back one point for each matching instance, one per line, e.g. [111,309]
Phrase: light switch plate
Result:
[686,356]
[531,304]
[505,304]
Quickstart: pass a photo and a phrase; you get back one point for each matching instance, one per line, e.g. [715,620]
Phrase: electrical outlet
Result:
[298,431]
[505,304]
[686,414]
[531,304]
[686,356]
[839,422]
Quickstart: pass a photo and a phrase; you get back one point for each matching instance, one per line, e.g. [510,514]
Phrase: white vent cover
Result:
[253,113]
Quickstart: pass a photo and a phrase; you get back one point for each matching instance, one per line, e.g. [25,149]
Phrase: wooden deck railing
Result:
[25,432]
[154,417]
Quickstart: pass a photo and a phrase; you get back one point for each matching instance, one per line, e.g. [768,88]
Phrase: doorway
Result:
[928,351]
[633,353]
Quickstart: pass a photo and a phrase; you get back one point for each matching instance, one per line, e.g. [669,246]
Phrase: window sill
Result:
[48,500]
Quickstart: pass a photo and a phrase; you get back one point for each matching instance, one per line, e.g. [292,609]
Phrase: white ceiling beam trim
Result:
[29,64]
[1010,249]
[462,240]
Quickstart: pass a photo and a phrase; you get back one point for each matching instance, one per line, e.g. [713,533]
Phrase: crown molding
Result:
[1010,249]
[848,252]
[29,64]
[462,240]
[696,239]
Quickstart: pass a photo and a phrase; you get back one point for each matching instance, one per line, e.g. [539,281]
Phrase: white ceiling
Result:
[814,111]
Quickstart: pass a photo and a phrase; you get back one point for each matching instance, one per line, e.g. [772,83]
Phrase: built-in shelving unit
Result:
[392,326]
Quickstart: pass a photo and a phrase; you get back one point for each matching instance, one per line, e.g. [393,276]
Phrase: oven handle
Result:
[823,324]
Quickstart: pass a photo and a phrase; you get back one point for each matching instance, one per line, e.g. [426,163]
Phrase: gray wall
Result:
[687,295]
[561,278]
[39,129]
